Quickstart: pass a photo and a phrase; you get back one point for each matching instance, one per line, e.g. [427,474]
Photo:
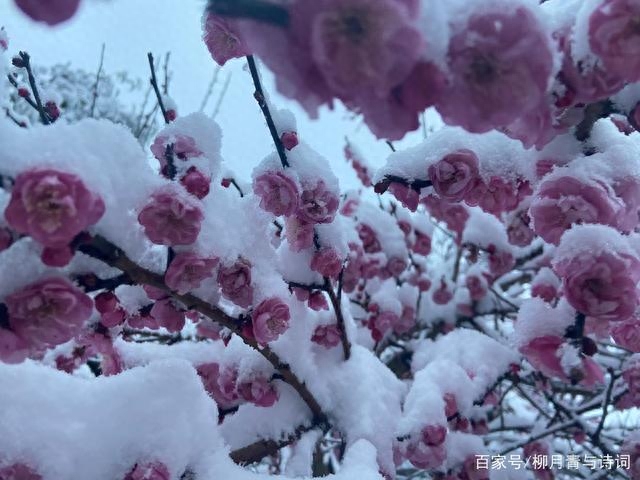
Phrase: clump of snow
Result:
[537,318]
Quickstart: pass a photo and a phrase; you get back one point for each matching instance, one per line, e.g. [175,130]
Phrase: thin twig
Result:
[337,307]
[223,93]
[207,95]
[262,102]
[167,77]
[26,61]
[156,89]
[95,86]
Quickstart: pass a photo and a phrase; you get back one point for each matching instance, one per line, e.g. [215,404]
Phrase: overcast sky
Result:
[131,28]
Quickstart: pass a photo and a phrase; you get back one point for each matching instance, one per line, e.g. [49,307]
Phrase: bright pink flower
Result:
[318,204]
[235,282]
[494,197]
[566,201]
[13,349]
[615,37]
[259,392]
[278,193]
[289,140]
[422,244]
[317,301]
[18,471]
[424,456]
[220,384]
[405,195]
[299,234]
[500,65]
[442,295]
[477,286]
[187,271]
[170,218]
[182,147]
[223,39]
[455,175]
[518,231]
[370,241]
[111,313]
[57,257]
[51,12]
[52,207]
[603,285]
[149,471]
[326,335]
[627,334]
[48,312]
[270,320]
[196,183]
[327,263]
[168,315]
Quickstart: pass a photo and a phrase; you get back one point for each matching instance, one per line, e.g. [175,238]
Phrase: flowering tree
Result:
[470,313]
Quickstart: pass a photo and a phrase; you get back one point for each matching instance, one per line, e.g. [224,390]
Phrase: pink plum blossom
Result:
[500,66]
[603,285]
[51,12]
[519,232]
[566,201]
[424,456]
[270,320]
[278,193]
[220,383]
[149,471]
[455,175]
[111,313]
[443,294]
[299,234]
[495,197]
[13,349]
[52,206]
[235,282]
[48,312]
[223,39]
[615,38]
[627,334]
[327,263]
[57,257]
[19,471]
[326,335]
[405,195]
[317,301]
[421,244]
[170,218]
[259,392]
[318,204]
[289,140]
[477,286]
[168,315]
[196,183]
[380,323]
[187,271]
[369,238]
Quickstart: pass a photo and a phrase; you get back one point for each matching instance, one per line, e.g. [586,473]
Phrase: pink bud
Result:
[270,320]
[326,335]
[289,140]
[51,12]
[317,301]
[235,282]
[196,183]
[57,257]
[149,471]
[442,295]
[52,110]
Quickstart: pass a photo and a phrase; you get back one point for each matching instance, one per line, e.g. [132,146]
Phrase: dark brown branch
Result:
[416,184]
[593,113]
[26,64]
[337,308]
[262,102]
[263,448]
[253,9]
[605,405]
[113,256]
[97,84]
[156,89]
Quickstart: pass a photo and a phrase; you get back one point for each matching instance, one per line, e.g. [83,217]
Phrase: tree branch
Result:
[156,88]
[95,85]
[26,64]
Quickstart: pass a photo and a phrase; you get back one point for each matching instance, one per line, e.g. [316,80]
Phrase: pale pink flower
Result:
[235,282]
[602,285]
[13,349]
[566,201]
[278,193]
[221,384]
[187,271]
[149,471]
[196,183]
[424,456]
[19,471]
[627,334]
[170,218]
[259,392]
[405,195]
[223,39]
[327,263]
[182,147]
[455,175]
[318,204]
[270,319]
[518,231]
[370,241]
[51,206]
[48,312]
[421,244]
[500,65]
[495,197]
[614,36]
[168,315]
[51,12]
[299,234]
[326,335]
